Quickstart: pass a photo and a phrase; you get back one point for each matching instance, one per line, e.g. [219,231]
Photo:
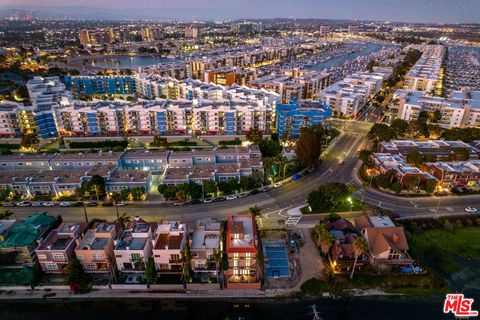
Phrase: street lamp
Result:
[349,199]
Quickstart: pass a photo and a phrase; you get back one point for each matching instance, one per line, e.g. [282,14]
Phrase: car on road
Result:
[243,195]
[65,204]
[77,204]
[177,204]
[194,201]
[37,203]
[277,185]
[208,200]
[49,203]
[341,161]
[266,189]
[107,204]
[120,204]
[296,176]
[219,199]
[471,209]
[232,197]
[24,204]
[9,204]
[91,204]
[254,191]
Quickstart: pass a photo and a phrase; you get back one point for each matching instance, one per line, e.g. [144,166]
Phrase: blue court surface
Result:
[276,264]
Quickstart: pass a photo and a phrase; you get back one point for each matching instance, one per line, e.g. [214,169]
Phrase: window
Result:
[248,255]
[90,266]
[164,266]
[58,256]
[247,263]
[41,257]
[236,236]
[80,256]
[235,263]
[98,256]
[235,254]
[175,257]
[135,256]
[51,266]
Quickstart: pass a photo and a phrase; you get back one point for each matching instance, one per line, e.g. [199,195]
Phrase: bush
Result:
[235,142]
[98,144]
[314,287]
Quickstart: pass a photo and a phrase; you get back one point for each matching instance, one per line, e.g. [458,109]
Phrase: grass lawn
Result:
[443,250]
[356,206]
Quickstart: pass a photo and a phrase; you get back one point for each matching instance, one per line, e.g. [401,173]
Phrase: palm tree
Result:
[124,219]
[326,240]
[360,246]
[255,210]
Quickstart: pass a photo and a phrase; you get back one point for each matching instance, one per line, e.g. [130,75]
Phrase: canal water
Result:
[391,308]
[128,62]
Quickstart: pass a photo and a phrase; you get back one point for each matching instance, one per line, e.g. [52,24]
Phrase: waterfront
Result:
[127,62]
[354,308]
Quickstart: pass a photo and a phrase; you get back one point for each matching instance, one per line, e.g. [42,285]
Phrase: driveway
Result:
[310,261]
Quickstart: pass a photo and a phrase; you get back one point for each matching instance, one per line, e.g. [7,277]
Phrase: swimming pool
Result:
[276,262]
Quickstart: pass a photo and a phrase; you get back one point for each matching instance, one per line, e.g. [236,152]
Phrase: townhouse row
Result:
[62,174]
[460,109]
[106,248]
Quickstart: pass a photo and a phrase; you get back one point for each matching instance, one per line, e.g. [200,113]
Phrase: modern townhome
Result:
[169,246]
[25,161]
[22,239]
[127,179]
[387,243]
[95,250]
[146,160]
[82,160]
[242,250]
[205,247]
[58,247]
[134,246]
[342,254]
[16,180]
[451,174]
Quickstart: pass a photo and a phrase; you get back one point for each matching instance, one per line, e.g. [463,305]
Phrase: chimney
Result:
[395,238]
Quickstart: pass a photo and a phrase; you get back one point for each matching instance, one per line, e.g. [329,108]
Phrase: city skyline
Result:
[443,11]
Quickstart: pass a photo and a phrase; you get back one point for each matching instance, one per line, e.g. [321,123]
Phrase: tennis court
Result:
[276,262]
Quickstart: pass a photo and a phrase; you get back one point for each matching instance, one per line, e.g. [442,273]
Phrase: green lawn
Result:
[345,207]
[444,251]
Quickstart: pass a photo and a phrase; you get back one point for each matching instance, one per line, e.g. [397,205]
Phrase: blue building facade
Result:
[46,124]
[290,118]
[101,85]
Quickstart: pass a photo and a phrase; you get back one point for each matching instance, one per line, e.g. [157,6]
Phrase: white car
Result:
[24,204]
[208,200]
[278,185]
[471,209]
[65,204]
[37,203]
[120,204]
[49,203]
[232,197]
[177,204]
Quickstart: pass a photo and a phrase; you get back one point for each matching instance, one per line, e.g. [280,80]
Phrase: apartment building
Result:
[9,119]
[438,149]
[134,247]
[384,162]
[41,90]
[146,160]
[169,246]
[100,85]
[205,247]
[460,109]
[85,160]
[95,250]
[58,247]
[229,75]
[23,238]
[452,174]
[242,249]
[128,179]
[191,32]
[426,75]
[298,114]
[25,161]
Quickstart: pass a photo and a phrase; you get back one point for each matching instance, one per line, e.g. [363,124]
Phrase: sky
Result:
[443,11]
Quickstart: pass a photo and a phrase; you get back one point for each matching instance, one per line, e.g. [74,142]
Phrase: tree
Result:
[365,155]
[309,145]
[435,116]
[410,182]
[6,214]
[461,154]
[159,142]
[209,187]
[328,196]
[430,186]
[360,246]
[96,185]
[254,135]
[332,217]
[4,194]
[415,158]
[381,132]
[75,277]
[399,125]
[325,239]
[417,128]
[150,272]
[124,219]
[29,140]
[255,210]
[270,148]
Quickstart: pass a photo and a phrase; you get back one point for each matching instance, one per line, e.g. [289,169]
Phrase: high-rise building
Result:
[191,32]
[84,37]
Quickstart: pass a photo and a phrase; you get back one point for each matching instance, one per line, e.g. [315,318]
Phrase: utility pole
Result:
[85,212]
[316,315]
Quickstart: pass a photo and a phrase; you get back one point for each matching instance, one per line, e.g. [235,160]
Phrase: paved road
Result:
[291,194]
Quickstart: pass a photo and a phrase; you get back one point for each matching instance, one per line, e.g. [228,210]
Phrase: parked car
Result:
[49,203]
[208,200]
[266,189]
[77,204]
[471,209]
[177,204]
[107,204]
[9,204]
[37,204]
[195,201]
[278,185]
[91,204]
[296,176]
[65,204]
[232,197]
[120,204]
[254,191]
[24,204]
[243,195]
[219,199]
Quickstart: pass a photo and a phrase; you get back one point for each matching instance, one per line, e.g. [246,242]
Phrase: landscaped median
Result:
[332,197]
